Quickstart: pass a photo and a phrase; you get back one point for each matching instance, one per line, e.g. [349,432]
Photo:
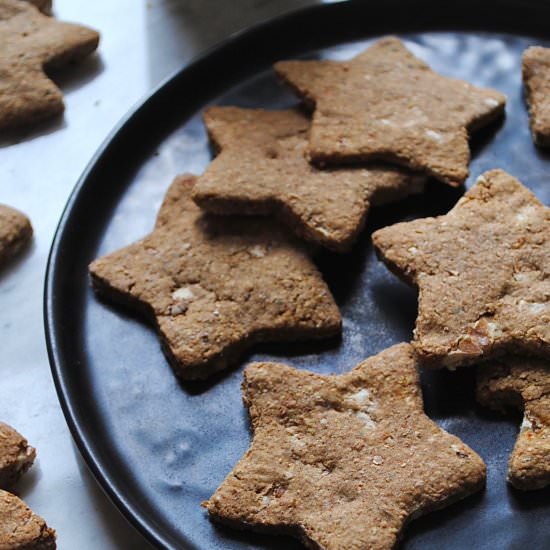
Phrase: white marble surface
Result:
[142,43]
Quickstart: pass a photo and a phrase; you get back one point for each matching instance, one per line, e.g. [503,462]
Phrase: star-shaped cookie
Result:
[20,529]
[262,170]
[16,456]
[216,285]
[343,461]
[388,105]
[525,383]
[536,80]
[15,232]
[31,44]
[483,273]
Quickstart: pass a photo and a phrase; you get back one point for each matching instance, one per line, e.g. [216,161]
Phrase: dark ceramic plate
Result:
[158,447]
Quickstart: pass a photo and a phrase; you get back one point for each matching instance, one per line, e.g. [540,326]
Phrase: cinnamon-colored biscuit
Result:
[386,104]
[262,170]
[45,6]
[216,285]
[536,80]
[343,461]
[524,383]
[31,44]
[20,529]
[16,456]
[15,232]
[482,271]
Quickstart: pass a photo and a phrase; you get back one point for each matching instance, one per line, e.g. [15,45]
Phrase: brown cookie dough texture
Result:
[216,285]
[15,232]
[343,461]
[20,529]
[32,43]
[386,104]
[16,456]
[45,6]
[523,383]
[262,170]
[536,79]
[483,274]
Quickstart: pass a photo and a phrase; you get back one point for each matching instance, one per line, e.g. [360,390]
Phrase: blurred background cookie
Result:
[33,43]
[16,456]
[15,232]
[20,528]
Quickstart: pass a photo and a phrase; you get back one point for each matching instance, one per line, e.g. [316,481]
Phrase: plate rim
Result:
[57,363]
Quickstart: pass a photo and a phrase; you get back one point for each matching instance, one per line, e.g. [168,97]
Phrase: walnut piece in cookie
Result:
[216,285]
[33,43]
[16,456]
[523,383]
[386,104]
[20,528]
[15,232]
[343,461]
[482,271]
[261,169]
[536,80]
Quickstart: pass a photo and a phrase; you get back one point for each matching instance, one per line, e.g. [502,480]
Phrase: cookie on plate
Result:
[482,274]
[536,80]
[385,104]
[31,44]
[16,456]
[20,528]
[343,461]
[15,232]
[261,169]
[216,285]
[523,383]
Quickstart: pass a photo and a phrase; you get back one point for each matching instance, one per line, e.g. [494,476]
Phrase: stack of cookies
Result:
[347,461]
